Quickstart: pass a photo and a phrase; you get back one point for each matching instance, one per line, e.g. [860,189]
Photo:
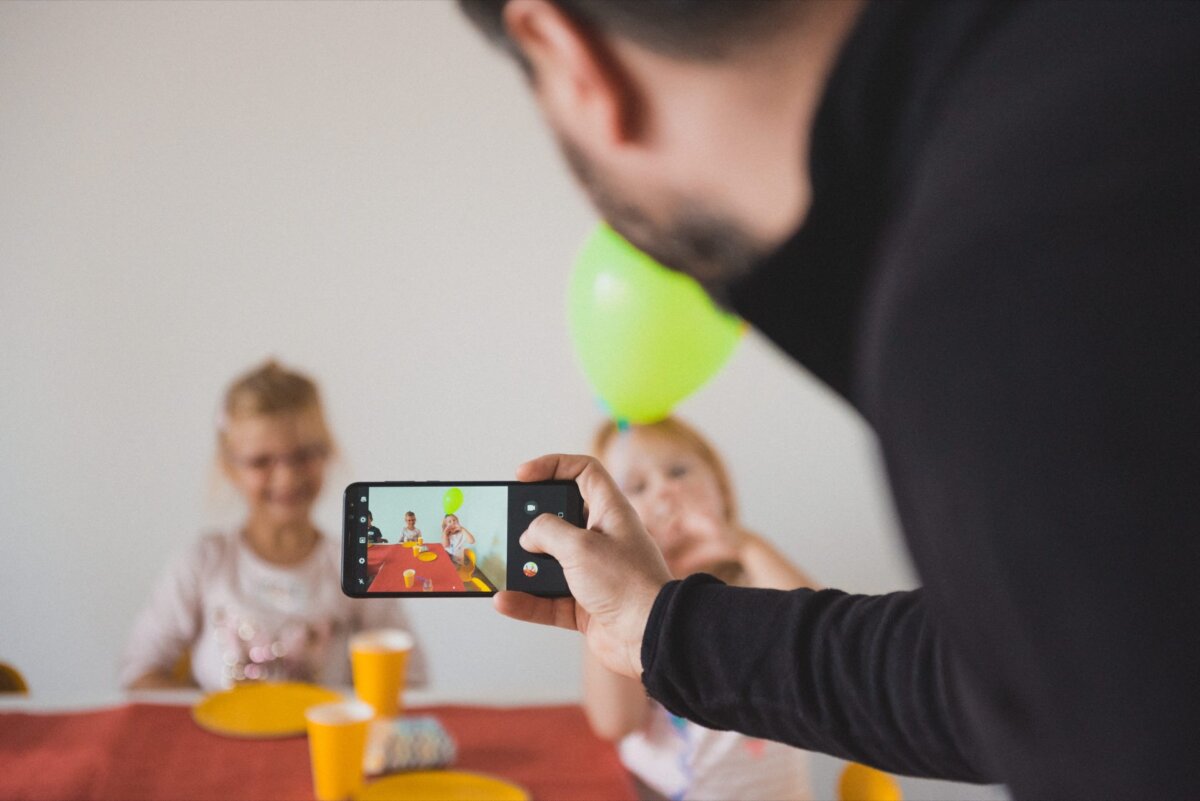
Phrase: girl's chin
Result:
[289,512]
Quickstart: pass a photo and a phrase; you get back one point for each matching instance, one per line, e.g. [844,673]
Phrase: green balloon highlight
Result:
[647,337]
[451,500]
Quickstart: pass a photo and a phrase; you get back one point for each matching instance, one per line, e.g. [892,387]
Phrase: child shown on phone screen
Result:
[456,539]
[681,491]
[263,600]
[410,532]
[374,535]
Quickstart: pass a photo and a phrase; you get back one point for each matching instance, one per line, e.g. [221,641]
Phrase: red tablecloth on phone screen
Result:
[154,752]
[388,563]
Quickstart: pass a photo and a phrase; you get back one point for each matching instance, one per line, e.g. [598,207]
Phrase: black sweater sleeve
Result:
[1026,343]
[860,677]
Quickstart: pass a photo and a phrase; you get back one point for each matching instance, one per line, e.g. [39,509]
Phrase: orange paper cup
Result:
[337,738]
[378,659]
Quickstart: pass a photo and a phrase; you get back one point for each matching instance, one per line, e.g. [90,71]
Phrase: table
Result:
[387,564]
[155,751]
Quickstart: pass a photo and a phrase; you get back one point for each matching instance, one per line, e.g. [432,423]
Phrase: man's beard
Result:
[707,246]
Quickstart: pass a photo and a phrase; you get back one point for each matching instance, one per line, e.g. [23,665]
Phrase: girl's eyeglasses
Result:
[299,459]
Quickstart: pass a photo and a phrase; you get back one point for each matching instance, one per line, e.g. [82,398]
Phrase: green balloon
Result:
[452,500]
[647,337]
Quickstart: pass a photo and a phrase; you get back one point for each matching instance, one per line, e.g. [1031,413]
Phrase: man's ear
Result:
[575,77]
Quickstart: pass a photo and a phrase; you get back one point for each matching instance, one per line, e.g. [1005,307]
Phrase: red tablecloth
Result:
[149,751]
[388,563]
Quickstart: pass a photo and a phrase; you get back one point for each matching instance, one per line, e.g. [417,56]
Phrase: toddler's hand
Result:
[693,542]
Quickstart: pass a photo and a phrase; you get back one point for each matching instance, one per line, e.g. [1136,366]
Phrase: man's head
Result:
[685,120]
[686,29]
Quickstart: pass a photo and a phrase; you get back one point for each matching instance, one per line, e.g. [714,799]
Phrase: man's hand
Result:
[613,568]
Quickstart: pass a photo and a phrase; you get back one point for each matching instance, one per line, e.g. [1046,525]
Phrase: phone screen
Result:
[435,538]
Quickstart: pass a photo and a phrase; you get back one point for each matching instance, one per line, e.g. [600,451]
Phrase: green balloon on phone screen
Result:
[647,337]
[451,500]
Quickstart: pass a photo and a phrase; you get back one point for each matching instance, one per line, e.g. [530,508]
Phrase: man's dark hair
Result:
[688,29]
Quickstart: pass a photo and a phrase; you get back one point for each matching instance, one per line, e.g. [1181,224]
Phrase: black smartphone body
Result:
[450,538]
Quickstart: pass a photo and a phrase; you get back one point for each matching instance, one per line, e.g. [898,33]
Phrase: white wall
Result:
[364,191]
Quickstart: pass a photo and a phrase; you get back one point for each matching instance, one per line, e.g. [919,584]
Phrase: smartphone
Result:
[450,538]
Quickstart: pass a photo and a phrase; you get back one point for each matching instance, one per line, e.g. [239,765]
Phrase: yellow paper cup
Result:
[337,738]
[409,576]
[378,659]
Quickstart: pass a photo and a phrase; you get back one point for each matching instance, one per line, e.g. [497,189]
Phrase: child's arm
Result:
[168,625]
[470,536]
[615,705]
[767,567]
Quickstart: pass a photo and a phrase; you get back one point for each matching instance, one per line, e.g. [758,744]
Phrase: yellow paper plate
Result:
[260,710]
[428,556]
[442,785]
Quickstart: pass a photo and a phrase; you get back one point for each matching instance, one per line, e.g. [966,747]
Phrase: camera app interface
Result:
[449,539]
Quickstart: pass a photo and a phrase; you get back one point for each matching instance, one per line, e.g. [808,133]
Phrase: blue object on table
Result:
[408,743]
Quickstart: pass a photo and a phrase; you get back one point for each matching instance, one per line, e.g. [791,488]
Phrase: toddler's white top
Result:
[683,760]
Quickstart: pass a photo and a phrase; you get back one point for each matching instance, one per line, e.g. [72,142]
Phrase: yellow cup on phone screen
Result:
[378,659]
[337,737]
[409,576]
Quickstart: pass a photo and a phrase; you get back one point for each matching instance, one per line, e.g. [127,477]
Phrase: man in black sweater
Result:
[980,223]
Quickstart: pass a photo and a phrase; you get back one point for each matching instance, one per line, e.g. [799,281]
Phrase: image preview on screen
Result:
[464,551]
[410,544]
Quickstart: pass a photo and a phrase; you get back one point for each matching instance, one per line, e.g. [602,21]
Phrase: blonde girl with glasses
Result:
[261,602]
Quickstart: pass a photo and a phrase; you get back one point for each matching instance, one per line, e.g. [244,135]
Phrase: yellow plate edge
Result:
[508,783]
[331,696]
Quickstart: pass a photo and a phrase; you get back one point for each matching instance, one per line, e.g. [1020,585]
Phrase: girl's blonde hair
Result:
[680,431]
[271,389]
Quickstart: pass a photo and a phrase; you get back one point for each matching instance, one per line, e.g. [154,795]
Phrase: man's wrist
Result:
[652,657]
[648,646]
[636,646]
